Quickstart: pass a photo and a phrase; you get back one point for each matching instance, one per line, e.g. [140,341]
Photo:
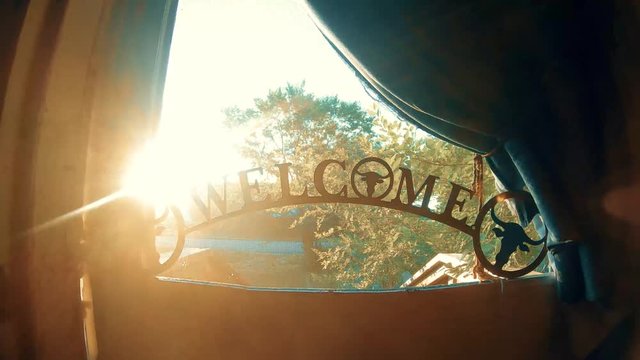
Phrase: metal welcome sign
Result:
[373,188]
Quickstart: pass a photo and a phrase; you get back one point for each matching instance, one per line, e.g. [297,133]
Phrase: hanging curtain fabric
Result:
[477,74]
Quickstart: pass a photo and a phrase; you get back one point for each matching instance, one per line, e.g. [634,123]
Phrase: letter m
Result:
[406,180]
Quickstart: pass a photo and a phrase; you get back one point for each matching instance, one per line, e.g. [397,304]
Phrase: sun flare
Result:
[167,168]
[210,70]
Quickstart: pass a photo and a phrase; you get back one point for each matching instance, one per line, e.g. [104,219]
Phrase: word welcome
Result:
[365,187]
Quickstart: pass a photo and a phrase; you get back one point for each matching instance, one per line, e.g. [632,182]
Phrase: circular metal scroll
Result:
[372,175]
[180,240]
[510,274]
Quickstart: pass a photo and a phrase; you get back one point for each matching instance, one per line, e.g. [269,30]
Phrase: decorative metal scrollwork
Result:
[180,237]
[512,237]
[372,178]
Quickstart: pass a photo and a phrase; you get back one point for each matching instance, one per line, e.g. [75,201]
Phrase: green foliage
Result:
[360,246]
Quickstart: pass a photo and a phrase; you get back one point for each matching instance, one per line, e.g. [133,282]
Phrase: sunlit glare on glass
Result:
[223,54]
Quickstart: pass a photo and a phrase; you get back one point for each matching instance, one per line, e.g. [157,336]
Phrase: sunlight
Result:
[227,53]
[151,178]
[167,168]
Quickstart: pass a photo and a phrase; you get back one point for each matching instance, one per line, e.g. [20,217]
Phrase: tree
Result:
[360,247]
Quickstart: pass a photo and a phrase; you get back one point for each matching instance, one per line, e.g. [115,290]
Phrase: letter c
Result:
[318,178]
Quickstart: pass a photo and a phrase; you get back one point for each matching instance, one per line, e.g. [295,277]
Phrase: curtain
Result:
[521,83]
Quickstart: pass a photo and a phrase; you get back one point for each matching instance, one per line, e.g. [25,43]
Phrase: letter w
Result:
[212,195]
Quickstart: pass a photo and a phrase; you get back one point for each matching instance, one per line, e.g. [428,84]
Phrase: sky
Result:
[227,53]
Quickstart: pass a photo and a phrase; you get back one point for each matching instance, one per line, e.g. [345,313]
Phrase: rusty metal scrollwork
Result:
[512,238]
[364,184]
[371,178]
[180,238]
